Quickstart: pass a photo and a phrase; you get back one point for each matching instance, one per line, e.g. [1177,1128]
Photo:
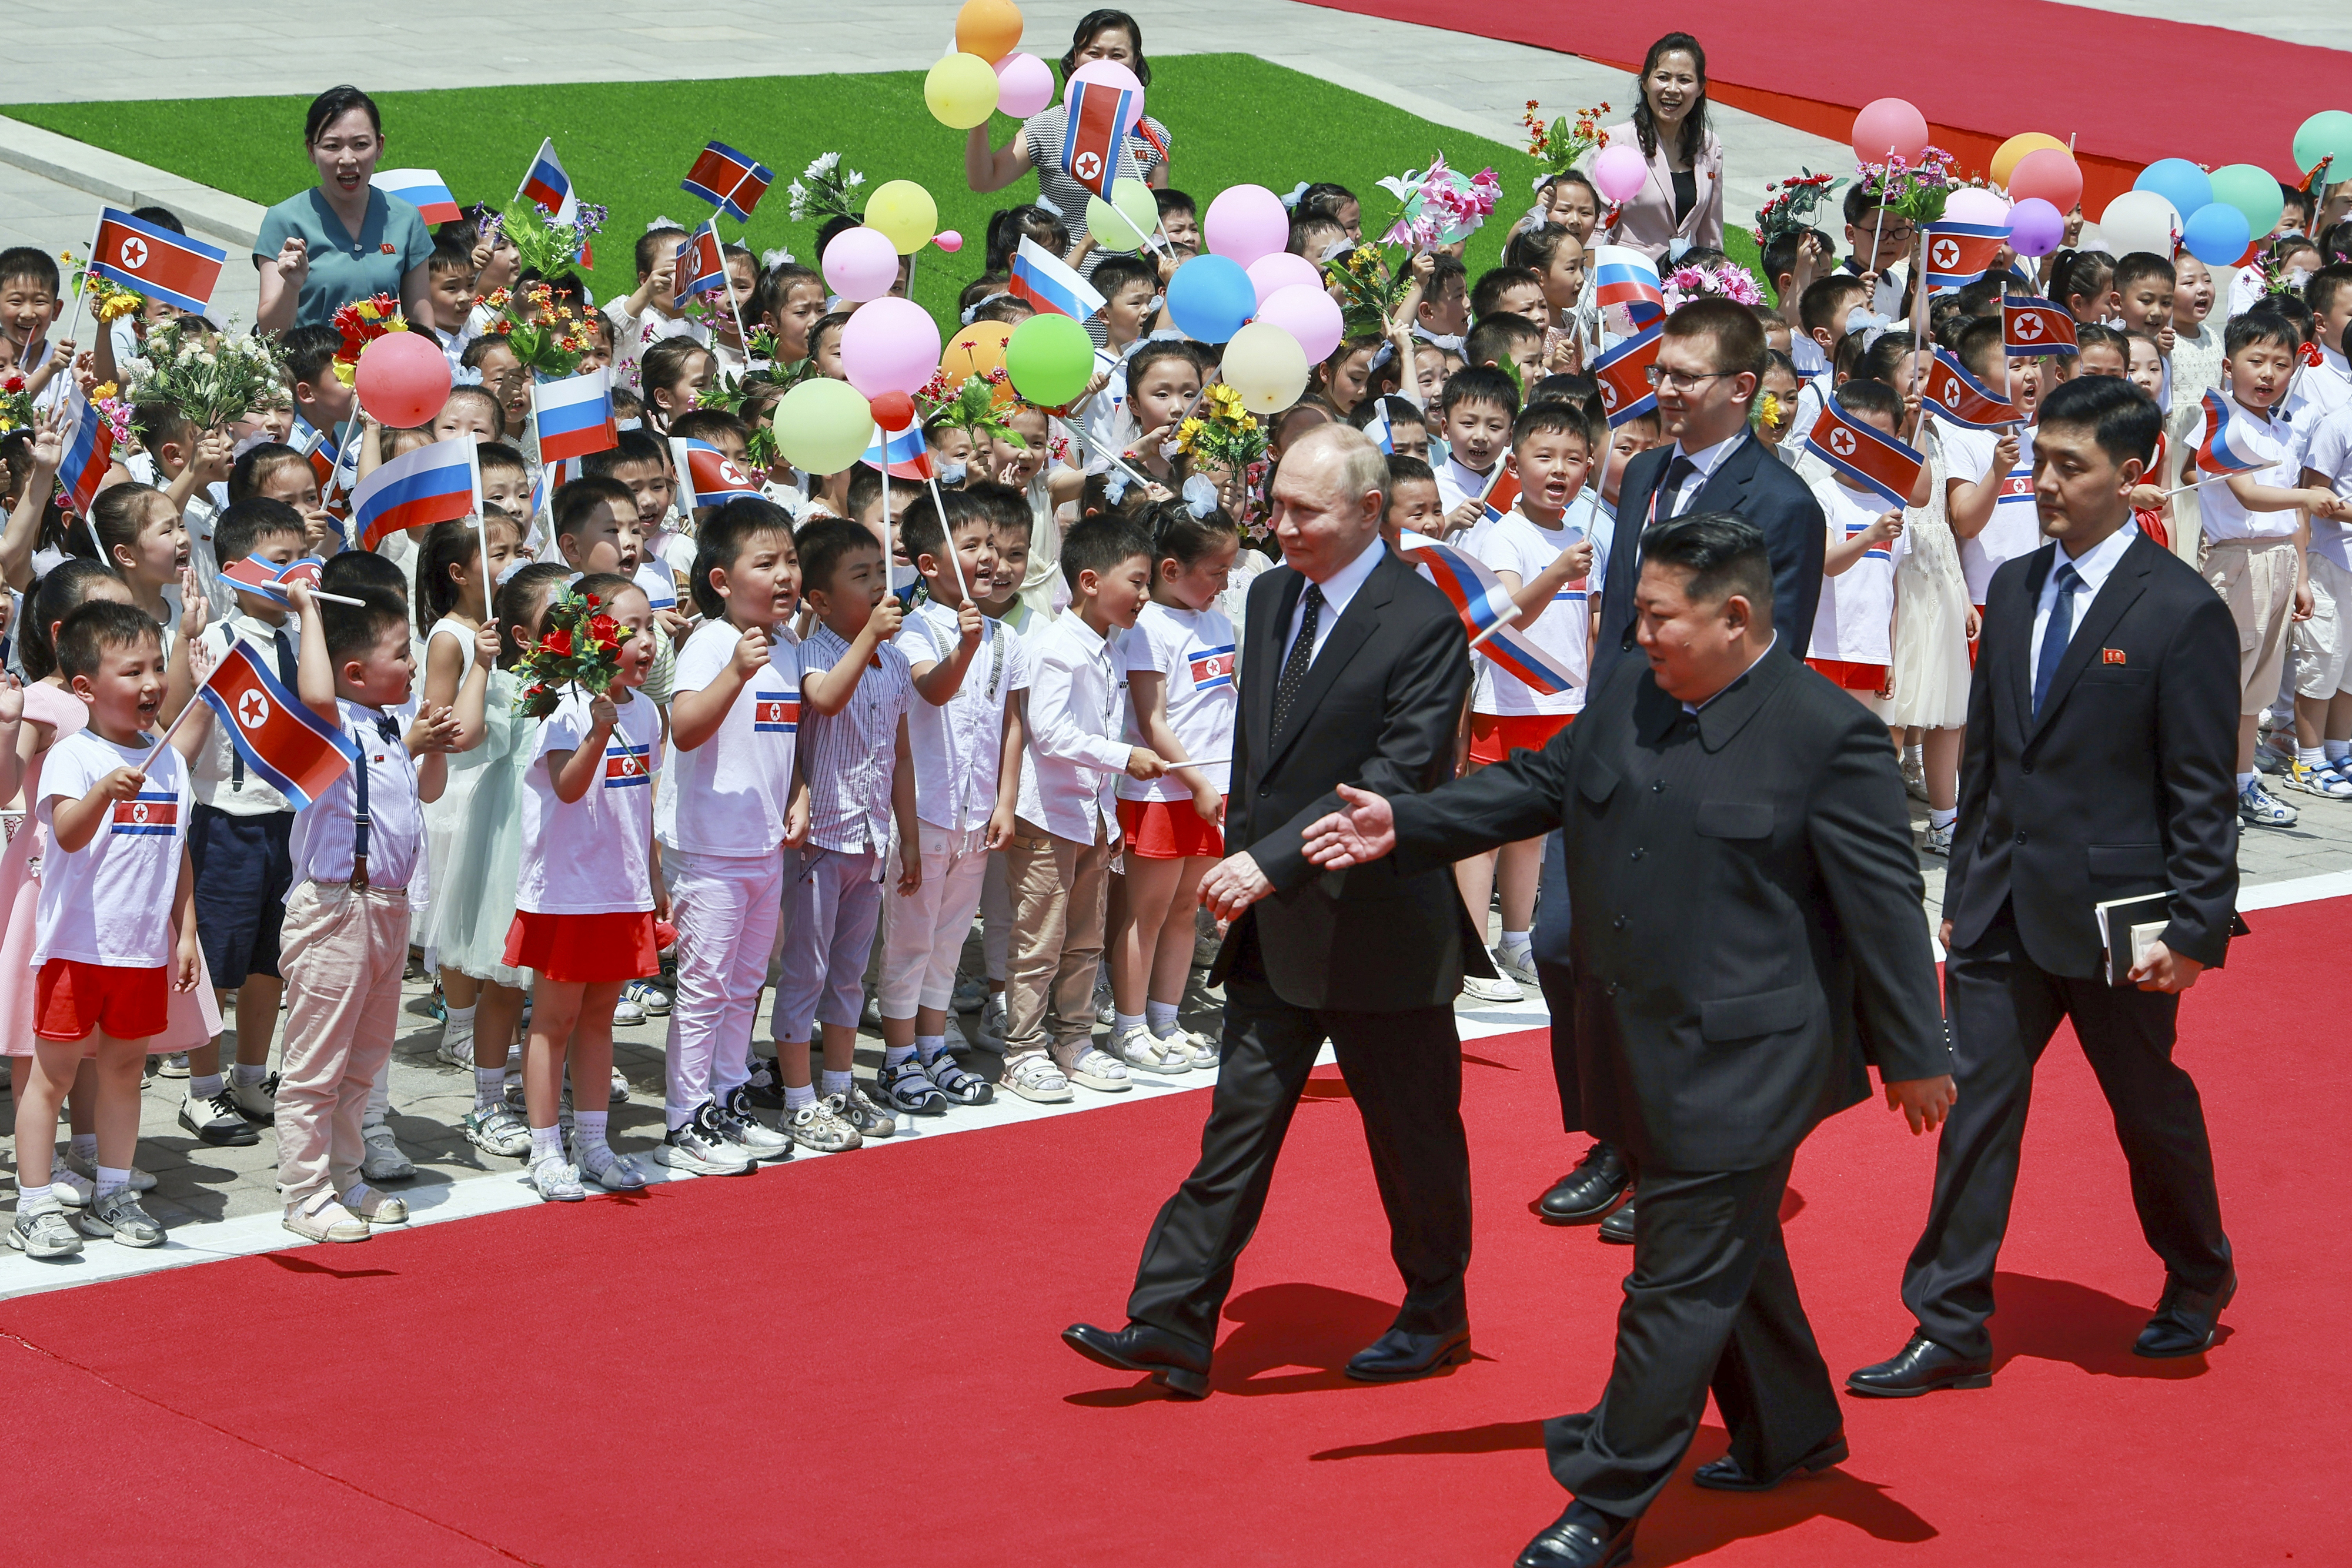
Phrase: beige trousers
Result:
[1059,891]
[343,953]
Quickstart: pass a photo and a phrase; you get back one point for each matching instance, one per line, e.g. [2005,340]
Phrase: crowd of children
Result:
[854,717]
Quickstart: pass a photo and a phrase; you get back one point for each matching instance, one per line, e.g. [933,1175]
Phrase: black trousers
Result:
[1558,983]
[1403,1071]
[1711,1306]
[2003,1009]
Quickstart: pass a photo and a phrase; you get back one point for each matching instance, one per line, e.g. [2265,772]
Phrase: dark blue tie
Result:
[2055,634]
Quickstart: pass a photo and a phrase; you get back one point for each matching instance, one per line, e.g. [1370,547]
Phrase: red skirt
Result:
[1494,735]
[1167,830]
[1851,676]
[584,949]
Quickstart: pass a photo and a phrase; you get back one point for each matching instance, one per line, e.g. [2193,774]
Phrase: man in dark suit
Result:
[1710,362]
[1353,671]
[2101,732]
[1748,935]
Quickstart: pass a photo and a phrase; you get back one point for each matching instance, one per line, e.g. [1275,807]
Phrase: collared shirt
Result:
[958,747]
[848,757]
[2095,565]
[220,777]
[1078,710]
[1338,591]
[1692,708]
[323,836]
[1458,481]
[393,238]
[1704,463]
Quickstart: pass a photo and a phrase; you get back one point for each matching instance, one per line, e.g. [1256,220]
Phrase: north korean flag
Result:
[707,475]
[151,260]
[1878,462]
[775,713]
[151,813]
[627,766]
[1502,490]
[1960,252]
[1623,373]
[701,265]
[1212,668]
[293,749]
[1959,397]
[1098,117]
[2031,327]
[727,180]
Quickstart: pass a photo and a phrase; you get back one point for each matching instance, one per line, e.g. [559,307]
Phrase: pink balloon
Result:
[861,264]
[1307,314]
[1619,172]
[1245,223]
[949,241]
[1025,84]
[1268,274]
[1975,205]
[1111,73]
[2035,228]
[403,380]
[1889,124]
[2049,173]
[889,346]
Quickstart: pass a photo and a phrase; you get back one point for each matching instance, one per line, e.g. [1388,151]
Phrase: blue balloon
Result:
[2217,233]
[1210,299]
[2180,181]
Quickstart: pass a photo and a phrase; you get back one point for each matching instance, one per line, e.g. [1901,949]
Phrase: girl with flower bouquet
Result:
[589,886]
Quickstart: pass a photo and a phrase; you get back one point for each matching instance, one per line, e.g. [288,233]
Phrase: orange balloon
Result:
[989,29]
[976,351]
[2005,158]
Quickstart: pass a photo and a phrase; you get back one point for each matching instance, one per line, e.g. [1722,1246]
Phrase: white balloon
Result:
[1974,204]
[2140,220]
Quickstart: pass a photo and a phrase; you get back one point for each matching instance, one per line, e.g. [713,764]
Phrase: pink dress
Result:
[196,1017]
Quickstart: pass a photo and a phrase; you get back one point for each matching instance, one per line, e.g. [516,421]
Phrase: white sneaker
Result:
[383,1160]
[1105,1009]
[1037,1078]
[1139,1047]
[172,1066]
[2257,807]
[376,1208]
[818,1126]
[73,1189]
[255,1101]
[1502,989]
[1938,840]
[141,1181]
[1518,965]
[322,1217]
[1101,1071]
[990,1035]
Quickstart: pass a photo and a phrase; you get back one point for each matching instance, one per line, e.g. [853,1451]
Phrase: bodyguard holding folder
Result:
[2101,737]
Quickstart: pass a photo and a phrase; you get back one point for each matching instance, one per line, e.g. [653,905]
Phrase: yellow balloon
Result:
[905,215]
[2005,158]
[1112,232]
[961,91]
[1266,366]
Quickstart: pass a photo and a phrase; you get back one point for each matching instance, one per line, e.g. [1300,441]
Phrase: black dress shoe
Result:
[2185,1320]
[1725,1473]
[1398,1356]
[1589,1191]
[1140,1347]
[1581,1538]
[1923,1367]
[1619,1226]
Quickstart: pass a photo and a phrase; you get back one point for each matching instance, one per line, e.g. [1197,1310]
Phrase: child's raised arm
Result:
[829,690]
[23,530]
[314,671]
[180,686]
[938,681]
[1840,554]
[695,717]
[1970,504]
[210,466]
[61,358]
[1536,595]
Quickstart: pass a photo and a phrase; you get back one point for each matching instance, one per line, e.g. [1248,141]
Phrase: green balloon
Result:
[823,427]
[1049,360]
[2325,134]
[2253,192]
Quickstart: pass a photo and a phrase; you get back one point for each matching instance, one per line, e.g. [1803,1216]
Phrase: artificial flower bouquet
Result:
[580,650]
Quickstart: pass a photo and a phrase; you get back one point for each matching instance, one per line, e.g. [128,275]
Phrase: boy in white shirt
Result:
[1476,409]
[1058,861]
[2322,644]
[1853,634]
[1988,483]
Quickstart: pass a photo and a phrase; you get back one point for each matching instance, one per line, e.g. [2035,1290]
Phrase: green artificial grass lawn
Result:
[1233,120]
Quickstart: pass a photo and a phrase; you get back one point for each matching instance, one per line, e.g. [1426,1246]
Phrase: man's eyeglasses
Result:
[1675,380]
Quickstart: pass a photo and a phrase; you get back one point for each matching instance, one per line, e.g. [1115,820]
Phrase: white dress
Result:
[444,817]
[1931,615]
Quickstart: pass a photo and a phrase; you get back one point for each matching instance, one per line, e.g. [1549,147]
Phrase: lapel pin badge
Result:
[2111,656]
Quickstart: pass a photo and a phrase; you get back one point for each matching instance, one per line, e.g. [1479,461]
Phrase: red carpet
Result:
[2133,88]
[855,1361]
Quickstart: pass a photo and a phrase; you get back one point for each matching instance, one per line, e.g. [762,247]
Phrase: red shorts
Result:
[1851,677]
[71,998]
[1167,830]
[1494,735]
[583,950]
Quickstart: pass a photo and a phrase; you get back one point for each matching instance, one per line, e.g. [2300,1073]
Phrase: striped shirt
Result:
[848,757]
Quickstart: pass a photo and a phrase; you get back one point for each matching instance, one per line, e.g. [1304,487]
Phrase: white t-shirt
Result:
[1517,544]
[1854,620]
[590,857]
[1193,649]
[323,836]
[660,586]
[110,902]
[2221,513]
[958,747]
[2015,526]
[2328,450]
[728,796]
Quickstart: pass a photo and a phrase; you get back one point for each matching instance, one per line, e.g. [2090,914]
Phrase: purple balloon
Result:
[889,345]
[1307,314]
[1280,270]
[2035,228]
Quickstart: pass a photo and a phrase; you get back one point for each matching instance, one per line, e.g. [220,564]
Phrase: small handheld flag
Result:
[423,189]
[2031,327]
[257,576]
[1486,609]
[431,485]
[1382,433]
[1623,373]
[1955,395]
[727,180]
[2227,444]
[701,265]
[905,452]
[1876,462]
[1960,252]
[574,416]
[150,259]
[1098,118]
[289,747]
[707,475]
[1623,275]
[90,448]
[1049,283]
[548,186]
[1502,490]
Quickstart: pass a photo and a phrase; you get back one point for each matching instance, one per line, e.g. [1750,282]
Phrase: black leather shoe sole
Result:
[1913,1390]
[1454,1355]
[1176,1379]
[1724,1475]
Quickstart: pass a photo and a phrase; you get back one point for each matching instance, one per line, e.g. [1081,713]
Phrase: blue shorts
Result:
[243,872]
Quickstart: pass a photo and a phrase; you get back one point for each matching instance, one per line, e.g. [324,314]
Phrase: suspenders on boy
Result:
[360,819]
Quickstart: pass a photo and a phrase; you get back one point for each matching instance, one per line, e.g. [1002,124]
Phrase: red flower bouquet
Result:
[580,650]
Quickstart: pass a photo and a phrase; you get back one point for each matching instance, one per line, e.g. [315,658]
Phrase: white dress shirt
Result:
[1337,593]
[1705,462]
[1076,715]
[322,839]
[2094,566]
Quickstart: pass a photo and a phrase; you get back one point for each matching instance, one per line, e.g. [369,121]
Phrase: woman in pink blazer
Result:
[1683,198]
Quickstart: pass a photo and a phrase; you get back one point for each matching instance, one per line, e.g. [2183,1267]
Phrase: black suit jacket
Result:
[1378,710]
[2127,782]
[1747,929]
[1750,482]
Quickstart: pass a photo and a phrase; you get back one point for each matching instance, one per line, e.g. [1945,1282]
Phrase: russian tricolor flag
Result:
[906,454]
[1959,397]
[416,489]
[289,747]
[1623,275]
[423,189]
[1482,601]
[1623,373]
[2227,444]
[1049,283]
[574,416]
[258,576]
[1382,433]
[90,447]
[2031,327]
[1960,252]
[708,477]
[548,186]
[153,261]
[1876,462]
[1096,121]
[727,180]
